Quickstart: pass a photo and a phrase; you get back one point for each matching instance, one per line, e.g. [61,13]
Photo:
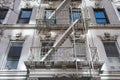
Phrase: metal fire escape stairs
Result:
[65,34]
[93,64]
[61,40]
[94,59]
[59,8]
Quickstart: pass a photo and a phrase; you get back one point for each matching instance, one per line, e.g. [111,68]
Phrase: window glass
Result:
[112,67]
[80,49]
[111,49]
[14,55]
[48,13]
[25,15]
[75,14]
[3,13]
[100,16]
[119,11]
[46,47]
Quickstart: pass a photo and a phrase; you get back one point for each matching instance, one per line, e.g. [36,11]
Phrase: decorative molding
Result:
[97,3]
[18,37]
[47,37]
[31,3]
[79,37]
[107,37]
[7,4]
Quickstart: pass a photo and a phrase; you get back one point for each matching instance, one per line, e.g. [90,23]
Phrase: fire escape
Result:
[86,67]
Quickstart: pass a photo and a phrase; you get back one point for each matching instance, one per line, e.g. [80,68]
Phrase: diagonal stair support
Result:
[61,40]
[59,8]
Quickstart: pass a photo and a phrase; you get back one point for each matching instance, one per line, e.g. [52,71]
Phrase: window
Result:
[100,16]
[48,13]
[112,67]
[46,45]
[80,49]
[119,11]
[111,49]
[24,16]
[75,14]
[14,55]
[3,13]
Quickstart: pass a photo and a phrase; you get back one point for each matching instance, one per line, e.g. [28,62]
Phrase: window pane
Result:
[101,21]
[46,47]
[119,11]
[25,14]
[14,55]
[80,49]
[23,21]
[47,15]
[75,15]
[3,13]
[99,14]
[111,49]
[11,64]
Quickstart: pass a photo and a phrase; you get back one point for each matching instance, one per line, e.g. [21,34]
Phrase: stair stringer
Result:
[61,40]
[59,8]
[64,52]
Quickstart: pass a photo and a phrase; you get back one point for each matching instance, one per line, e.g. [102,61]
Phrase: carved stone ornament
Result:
[47,37]
[108,37]
[78,37]
[7,3]
[18,36]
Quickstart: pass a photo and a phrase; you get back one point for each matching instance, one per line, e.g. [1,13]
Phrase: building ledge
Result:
[13,74]
[18,26]
[104,26]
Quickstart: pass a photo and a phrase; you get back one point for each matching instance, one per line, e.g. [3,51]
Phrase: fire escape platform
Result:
[61,69]
[61,64]
[45,23]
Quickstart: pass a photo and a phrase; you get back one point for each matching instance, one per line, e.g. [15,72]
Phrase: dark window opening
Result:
[14,55]
[24,16]
[3,13]
[111,49]
[46,46]
[101,17]
[119,11]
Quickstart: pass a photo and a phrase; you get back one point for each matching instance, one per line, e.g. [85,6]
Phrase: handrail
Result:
[61,39]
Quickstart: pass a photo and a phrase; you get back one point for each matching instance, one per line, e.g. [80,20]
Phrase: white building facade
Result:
[60,39]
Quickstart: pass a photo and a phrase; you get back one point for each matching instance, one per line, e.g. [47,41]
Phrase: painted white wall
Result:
[93,39]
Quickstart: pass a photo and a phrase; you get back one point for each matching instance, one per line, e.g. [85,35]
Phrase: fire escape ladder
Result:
[94,62]
[61,39]
[59,8]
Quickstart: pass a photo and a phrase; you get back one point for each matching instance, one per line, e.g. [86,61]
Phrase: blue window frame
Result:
[25,15]
[3,13]
[48,13]
[75,13]
[14,55]
[100,16]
